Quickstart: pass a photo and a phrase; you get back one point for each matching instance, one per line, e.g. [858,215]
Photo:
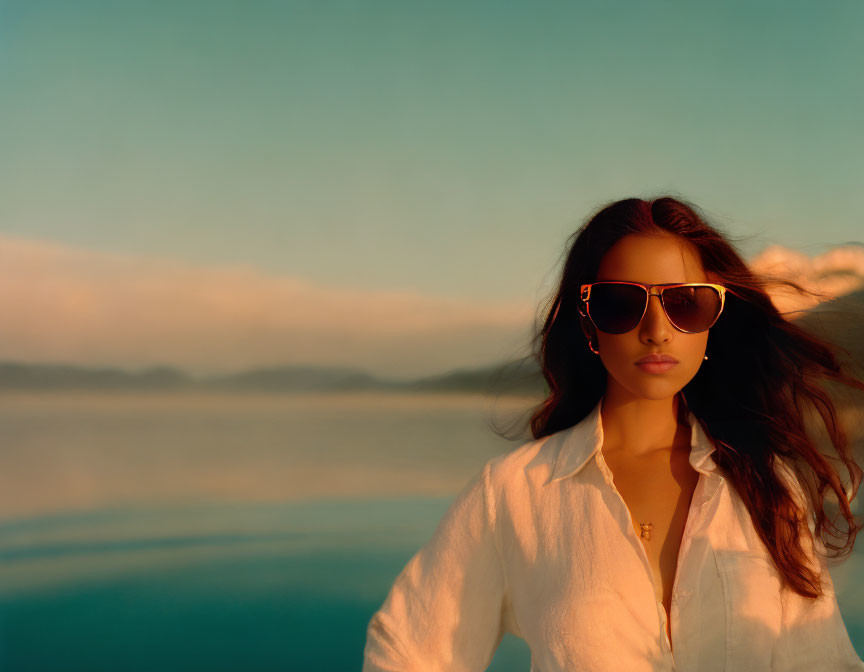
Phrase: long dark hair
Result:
[751,396]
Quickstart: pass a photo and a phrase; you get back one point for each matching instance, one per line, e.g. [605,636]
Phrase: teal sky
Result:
[442,147]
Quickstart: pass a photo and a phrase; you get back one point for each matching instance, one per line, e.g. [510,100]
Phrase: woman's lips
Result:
[656,367]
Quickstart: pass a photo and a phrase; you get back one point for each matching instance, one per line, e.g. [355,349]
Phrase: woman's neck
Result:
[640,426]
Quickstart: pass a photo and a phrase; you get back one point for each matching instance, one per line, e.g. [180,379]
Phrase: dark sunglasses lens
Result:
[616,309]
[692,308]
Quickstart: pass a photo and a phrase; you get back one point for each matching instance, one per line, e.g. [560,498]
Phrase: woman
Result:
[658,516]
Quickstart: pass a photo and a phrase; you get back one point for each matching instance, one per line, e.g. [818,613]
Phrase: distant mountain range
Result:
[276,379]
[842,320]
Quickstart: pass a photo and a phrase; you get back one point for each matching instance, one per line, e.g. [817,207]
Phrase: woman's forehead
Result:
[652,260]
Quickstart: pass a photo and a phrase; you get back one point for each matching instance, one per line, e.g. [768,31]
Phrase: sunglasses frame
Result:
[585,296]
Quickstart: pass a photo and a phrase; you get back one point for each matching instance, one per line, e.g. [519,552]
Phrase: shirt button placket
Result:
[678,599]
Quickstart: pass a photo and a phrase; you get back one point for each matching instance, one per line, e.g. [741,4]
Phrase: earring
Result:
[591,346]
[705,357]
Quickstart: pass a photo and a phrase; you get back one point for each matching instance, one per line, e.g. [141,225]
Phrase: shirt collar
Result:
[578,444]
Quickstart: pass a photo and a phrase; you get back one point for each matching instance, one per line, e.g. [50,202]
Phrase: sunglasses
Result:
[617,307]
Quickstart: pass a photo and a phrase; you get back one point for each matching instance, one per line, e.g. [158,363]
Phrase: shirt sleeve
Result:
[445,610]
[813,636]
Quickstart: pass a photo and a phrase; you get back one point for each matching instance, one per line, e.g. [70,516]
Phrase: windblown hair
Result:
[750,396]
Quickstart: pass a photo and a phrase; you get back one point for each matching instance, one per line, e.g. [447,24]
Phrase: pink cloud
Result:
[78,305]
[834,273]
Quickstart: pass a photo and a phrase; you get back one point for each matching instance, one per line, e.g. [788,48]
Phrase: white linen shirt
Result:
[540,544]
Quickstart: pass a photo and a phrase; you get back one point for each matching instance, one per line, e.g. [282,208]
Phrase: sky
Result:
[390,185]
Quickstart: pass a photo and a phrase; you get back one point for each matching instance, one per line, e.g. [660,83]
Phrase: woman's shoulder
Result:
[529,463]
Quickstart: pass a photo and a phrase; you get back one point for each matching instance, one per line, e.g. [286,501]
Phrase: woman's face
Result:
[650,260]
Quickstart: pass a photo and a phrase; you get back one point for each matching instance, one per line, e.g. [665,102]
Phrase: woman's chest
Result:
[657,493]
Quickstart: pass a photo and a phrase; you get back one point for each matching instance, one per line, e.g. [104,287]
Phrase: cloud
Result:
[66,304]
[834,273]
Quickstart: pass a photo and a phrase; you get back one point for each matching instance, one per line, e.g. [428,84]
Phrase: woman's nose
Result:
[655,319]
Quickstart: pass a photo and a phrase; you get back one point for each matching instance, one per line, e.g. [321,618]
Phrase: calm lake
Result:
[226,532]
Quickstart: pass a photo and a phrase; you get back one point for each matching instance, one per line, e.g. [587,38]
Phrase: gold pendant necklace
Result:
[646,530]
